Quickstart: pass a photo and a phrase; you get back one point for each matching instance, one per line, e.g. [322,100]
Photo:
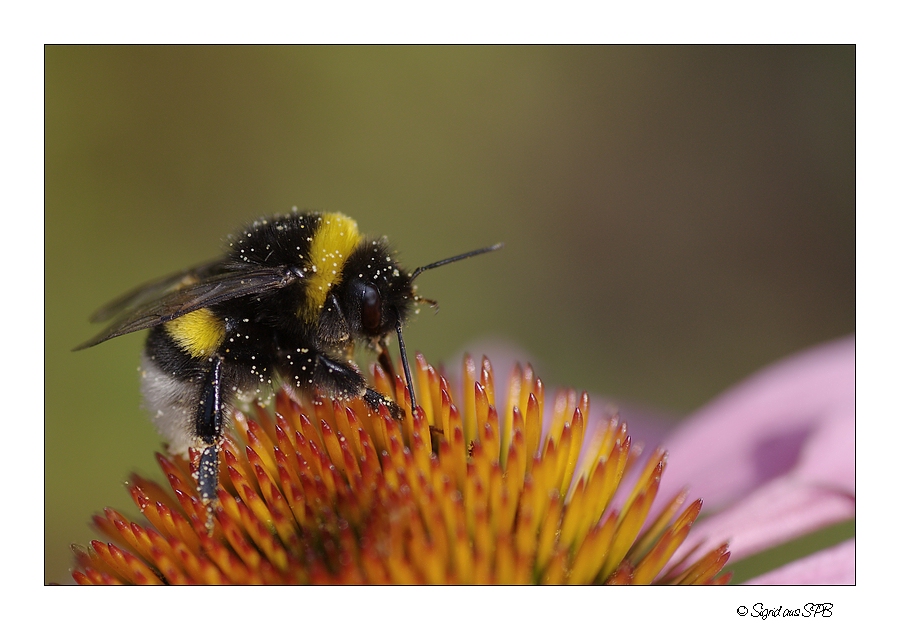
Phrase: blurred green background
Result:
[674,217]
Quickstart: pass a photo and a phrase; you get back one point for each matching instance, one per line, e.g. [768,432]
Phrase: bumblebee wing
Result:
[206,292]
[155,289]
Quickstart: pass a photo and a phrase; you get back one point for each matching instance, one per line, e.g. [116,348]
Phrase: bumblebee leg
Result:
[209,427]
[208,474]
[340,379]
[374,399]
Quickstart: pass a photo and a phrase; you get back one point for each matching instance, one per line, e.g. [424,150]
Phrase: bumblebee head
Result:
[379,294]
[375,293]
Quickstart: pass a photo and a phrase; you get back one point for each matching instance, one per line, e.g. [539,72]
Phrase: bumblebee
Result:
[285,304]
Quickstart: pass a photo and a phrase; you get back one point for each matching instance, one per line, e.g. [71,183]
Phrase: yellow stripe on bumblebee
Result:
[337,238]
[199,333]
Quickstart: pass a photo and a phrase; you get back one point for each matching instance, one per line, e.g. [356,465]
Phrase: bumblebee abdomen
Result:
[171,398]
[176,365]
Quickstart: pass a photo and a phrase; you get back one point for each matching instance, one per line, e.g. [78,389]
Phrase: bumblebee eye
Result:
[371,309]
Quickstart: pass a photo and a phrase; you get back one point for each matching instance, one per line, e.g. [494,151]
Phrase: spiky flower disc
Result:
[325,492]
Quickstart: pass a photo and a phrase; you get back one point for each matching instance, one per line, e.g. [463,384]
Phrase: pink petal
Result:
[777,453]
[797,413]
[827,457]
[836,565]
[780,511]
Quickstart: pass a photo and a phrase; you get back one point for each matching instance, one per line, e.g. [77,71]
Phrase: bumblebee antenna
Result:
[447,261]
[440,263]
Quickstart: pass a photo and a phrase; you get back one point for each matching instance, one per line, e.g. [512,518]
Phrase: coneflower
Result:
[323,491]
